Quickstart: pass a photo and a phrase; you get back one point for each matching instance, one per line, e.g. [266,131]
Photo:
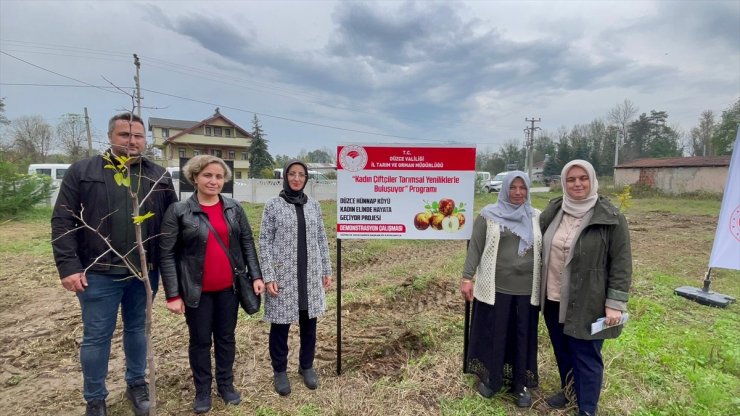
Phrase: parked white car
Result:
[494,185]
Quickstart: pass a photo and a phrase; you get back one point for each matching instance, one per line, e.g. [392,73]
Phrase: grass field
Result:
[402,329]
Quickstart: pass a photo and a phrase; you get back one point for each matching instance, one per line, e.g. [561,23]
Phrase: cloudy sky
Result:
[321,73]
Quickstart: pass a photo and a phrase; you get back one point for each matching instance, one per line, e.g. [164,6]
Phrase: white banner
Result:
[726,248]
[405,191]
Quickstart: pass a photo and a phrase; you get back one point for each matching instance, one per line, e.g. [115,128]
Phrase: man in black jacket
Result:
[103,276]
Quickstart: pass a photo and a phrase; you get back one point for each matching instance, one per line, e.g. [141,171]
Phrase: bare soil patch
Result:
[40,331]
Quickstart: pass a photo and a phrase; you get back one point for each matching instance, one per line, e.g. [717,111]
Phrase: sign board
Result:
[403,191]
[727,238]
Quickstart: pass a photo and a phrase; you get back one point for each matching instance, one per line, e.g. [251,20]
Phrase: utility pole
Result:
[530,143]
[526,149]
[89,136]
[138,86]
[616,146]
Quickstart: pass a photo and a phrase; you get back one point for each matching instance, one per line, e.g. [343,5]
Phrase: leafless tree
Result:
[700,139]
[621,116]
[32,136]
[71,135]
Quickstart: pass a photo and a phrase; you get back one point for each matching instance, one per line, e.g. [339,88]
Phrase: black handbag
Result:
[249,300]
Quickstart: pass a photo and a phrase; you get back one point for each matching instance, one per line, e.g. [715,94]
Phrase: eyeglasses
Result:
[297,175]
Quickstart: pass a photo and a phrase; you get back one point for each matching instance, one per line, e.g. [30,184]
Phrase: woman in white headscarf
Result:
[501,277]
[586,274]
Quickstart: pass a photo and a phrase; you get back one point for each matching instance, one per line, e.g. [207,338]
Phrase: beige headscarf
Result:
[579,208]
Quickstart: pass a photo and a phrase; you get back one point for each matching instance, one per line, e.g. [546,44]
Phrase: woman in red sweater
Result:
[198,278]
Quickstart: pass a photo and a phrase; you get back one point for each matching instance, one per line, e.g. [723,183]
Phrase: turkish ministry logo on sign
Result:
[353,158]
[735,223]
[727,238]
[400,191]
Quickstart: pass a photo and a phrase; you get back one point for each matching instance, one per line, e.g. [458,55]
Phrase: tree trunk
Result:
[148,327]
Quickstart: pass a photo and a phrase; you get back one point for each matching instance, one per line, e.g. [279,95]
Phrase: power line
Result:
[175,67]
[291,119]
[57,73]
[180,68]
[33,84]
[29,84]
[219,77]
[231,107]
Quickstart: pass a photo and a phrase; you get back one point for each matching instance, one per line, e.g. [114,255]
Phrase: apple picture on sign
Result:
[442,215]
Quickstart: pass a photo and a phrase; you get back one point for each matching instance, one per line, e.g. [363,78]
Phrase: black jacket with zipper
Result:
[183,247]
[85,192]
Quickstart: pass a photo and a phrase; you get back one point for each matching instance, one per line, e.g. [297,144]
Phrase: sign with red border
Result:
[405,191]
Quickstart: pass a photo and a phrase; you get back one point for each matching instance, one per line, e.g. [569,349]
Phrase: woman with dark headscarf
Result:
[294,254]
[501,277]
[586,270]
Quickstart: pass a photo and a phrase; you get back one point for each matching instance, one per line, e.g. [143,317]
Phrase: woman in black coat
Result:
[198,278]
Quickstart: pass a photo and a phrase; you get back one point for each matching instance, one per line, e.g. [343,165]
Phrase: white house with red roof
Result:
[216,135]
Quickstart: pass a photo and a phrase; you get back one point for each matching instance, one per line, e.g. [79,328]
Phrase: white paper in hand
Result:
[601,325]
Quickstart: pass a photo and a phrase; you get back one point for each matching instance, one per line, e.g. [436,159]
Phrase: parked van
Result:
[54,170]
[174,173]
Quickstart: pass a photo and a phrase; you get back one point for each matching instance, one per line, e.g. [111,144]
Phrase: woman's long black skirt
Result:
[503,342]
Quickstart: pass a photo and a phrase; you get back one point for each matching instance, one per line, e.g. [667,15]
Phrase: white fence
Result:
[261,190]
[255,190]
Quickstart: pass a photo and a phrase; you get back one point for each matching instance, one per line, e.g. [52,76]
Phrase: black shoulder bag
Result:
[249,300]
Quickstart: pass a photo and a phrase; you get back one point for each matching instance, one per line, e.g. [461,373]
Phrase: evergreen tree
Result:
[650,136]
[543,145]
[727,130]
[638,135]
[600,155]
[319,156]
[563,155]
[551,167]
[512,154]
[281,160]
[3,120]
[259,157]
[664,140]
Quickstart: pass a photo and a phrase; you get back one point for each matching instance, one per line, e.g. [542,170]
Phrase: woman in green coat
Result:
[586,275]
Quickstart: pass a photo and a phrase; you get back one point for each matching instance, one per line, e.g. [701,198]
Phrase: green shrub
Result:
[19,192]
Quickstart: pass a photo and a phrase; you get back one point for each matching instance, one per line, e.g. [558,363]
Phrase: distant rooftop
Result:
[171,124]
[678,162]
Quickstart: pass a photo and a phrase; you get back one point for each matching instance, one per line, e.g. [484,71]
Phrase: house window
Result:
[238,174]
[232,154]
[181,152]
[165,132]
[208,131]
[217,131]
[196,152]
[216,152]
[227,132]
[245,156]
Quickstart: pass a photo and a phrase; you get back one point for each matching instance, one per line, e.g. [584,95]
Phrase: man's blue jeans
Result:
[100,302]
